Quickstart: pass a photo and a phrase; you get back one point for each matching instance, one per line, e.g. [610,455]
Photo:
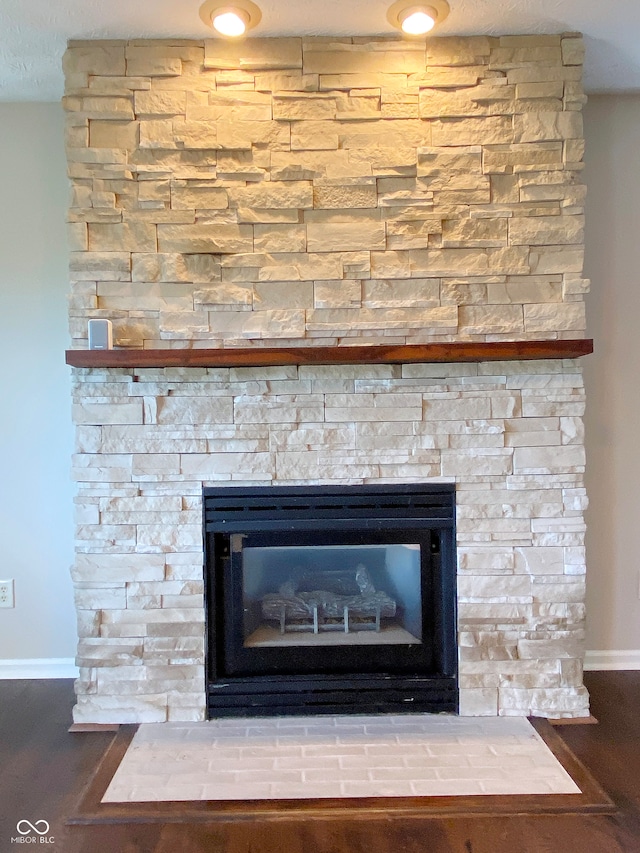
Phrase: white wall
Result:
[36,544]
[612,374]
[35,423]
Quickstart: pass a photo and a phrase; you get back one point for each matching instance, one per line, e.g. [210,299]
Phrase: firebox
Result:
[330,599]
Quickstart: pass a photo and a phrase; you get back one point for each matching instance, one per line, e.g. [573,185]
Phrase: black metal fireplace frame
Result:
[425,681]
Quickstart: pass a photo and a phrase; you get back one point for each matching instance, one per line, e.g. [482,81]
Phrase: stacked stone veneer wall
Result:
[319,191]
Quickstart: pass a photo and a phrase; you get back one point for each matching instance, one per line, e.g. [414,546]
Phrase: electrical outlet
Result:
[7,598]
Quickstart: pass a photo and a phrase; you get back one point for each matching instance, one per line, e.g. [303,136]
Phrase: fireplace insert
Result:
[330,599]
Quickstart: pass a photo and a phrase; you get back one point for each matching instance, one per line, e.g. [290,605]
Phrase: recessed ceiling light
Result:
[231,20]
[417,19]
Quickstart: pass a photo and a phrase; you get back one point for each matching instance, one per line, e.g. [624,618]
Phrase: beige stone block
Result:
[507,56]
[540,561]
[270,295]
[305,165]
[293,81]
[573,151]
[480,100]
[231,106]
[253,54]
[412,235]
[104,266]
[462,292]
[324,56]
[279,409]
[442,262]
[363,104]
[536,73]
[291,266]
[529,289]
[122,237]
[100,598]
[548,460]
[557,318]
[527,91]
[314,136]
[487,462]
[115,412]
[198,268]
[341,197]
[489,130]
[161,60]
[384,134]
[99,59]
[546,191]
[382,160]
[188,195]
[337,294]
[478,702]
[119,296]
[557,259]
[356,80]
[157,134]
[299,106]
[273,194]
[345,236]
[488,558]
[281,323]
[381,319]
[202,238]
[96,107]
[490,319]
[448,161]
[117,568]
[573,51]
[158,104]
[451,77]
[113,134]
[267,216]
[392,264]
[546,230]
[115,85]
[245,134]
[505,189]
[181,324]
[566,647]
[280,238]
[388,406]
[455,51]
[497,587]
[194,410]
[474,233]
[542,126]
[154,194]
[78,239]
[405,293]
[504,158]
[198,135]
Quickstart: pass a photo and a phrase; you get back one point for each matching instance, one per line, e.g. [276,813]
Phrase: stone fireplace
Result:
[327,192]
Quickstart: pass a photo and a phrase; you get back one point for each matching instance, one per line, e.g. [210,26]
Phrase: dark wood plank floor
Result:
[44,768]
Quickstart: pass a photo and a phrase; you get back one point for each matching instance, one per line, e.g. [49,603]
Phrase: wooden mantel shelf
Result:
[367,354]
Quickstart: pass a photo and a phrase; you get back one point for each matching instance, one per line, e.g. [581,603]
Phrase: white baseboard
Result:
[38,668]
[623,659]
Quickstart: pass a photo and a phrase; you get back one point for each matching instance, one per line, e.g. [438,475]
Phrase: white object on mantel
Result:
[100,334]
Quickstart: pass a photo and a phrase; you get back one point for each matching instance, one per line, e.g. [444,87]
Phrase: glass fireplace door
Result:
[325,601]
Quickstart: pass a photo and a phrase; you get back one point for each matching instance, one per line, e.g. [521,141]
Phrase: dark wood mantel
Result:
[362,354]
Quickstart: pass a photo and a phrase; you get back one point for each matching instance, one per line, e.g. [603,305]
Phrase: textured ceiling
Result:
[35,32]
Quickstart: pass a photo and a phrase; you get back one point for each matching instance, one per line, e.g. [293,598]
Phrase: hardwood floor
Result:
[44,769]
